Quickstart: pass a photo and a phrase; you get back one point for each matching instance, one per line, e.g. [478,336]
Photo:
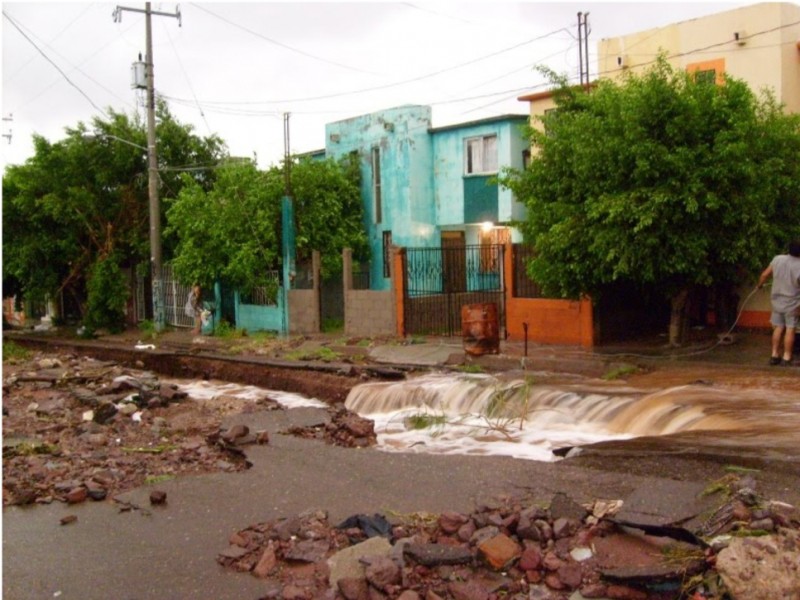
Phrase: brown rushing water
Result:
[710,409]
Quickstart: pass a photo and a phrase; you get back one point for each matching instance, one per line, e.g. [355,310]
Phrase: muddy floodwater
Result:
[544,417]
[529,417]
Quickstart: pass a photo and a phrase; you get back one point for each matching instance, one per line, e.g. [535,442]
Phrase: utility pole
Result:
[583,49]
[288,234]
[152,161]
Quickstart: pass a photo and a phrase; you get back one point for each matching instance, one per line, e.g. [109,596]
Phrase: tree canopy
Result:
[233,231]
[659,180]
[78,208]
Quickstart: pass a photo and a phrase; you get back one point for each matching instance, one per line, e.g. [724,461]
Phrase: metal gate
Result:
[439,281]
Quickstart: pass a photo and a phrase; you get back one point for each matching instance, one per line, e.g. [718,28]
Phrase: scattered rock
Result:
[158,497]
[68,519]
[762,568]
[76,495]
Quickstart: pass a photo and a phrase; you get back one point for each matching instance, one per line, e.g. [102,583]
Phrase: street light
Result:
[119,139]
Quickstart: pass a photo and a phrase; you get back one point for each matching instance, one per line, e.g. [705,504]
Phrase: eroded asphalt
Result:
[169,552]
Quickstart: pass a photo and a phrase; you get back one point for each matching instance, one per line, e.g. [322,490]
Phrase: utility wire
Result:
[188,81]
[47,58]
[709,47]
[281,44]
[53,39]
[389,85]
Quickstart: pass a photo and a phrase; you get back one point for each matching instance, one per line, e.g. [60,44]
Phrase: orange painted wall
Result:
[566,322]
[398,280]
[563,322]
[755,318]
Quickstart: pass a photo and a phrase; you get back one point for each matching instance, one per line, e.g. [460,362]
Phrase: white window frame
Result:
[480,155]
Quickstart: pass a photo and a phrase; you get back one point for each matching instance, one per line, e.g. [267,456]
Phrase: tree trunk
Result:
[677,317]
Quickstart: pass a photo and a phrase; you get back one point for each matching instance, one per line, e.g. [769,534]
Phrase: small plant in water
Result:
[621,372]
[471,368]
[424,421]
[500,412]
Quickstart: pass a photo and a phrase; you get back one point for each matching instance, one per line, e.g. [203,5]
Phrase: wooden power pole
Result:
[152,162]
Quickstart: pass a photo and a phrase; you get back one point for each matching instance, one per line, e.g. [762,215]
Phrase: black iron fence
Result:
[439,281]
[523,286]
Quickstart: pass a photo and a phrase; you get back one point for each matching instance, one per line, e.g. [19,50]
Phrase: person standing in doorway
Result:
[785,298]
[194,308]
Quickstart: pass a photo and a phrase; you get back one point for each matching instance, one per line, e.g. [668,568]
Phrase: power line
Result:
[47,58]
[52,39]
[188,81]
[709,47]
[390,85]
[281,44]
[74,68]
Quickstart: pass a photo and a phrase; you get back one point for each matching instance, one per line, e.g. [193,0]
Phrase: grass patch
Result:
[472,368]
[737,469]
[148,329]
[226,331]
[13,352]
[323,354]
[332,325]
[154,450]
[30,449]
[721,486]
[153,479]
[681,555]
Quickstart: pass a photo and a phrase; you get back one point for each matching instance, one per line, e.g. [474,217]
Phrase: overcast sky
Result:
[233,69]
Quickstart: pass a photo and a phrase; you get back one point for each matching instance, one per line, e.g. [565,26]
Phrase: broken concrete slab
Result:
[667,507]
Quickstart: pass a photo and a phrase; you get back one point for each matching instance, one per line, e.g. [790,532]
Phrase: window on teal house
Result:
[480,155]
[376,183]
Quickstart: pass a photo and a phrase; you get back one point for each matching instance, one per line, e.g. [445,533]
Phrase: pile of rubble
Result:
[78,428]
[749,550]
[345,428]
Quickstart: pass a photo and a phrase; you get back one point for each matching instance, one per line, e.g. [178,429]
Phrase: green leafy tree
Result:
[229,232]
[660,181]
[233,231]
[82,202]
[329,212]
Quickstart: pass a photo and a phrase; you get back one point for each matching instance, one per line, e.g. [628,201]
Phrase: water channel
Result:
[522,417]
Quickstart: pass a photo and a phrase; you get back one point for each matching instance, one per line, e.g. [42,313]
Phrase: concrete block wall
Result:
[366,312]
[304,311]
[304,305]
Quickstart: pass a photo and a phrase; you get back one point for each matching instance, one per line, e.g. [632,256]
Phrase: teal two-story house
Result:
[431,187]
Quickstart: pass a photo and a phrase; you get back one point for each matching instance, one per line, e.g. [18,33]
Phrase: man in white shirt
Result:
[785,298]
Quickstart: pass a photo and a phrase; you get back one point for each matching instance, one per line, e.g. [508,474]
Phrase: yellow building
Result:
[759,44]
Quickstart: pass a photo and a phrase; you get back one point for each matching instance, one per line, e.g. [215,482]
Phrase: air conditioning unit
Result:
[622,61]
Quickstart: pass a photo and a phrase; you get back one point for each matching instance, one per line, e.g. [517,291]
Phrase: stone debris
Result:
[518,552]
[345,428]
[80,429]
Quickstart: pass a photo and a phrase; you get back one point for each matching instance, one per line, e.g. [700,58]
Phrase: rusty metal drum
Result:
[480,329]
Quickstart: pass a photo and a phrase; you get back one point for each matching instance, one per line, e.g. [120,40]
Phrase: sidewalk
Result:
[704,353]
